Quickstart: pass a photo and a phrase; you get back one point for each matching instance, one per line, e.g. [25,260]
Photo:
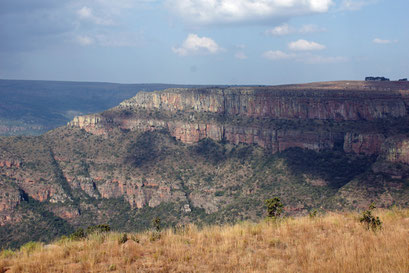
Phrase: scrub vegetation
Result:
[332,242]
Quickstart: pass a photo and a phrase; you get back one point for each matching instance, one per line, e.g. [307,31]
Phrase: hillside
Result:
[209,155]
[35,107]
[335,242]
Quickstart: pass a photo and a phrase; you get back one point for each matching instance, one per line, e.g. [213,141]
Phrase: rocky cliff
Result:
[214,155]
[277,118]
[275,102]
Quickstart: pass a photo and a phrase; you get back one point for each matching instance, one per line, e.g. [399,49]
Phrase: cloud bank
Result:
[208,12]
[307,58]
[383,41]
[286,29]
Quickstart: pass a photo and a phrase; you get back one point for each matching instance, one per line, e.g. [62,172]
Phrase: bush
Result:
[274,207]
[313,213]
[78,235]
[156,224]
[155,235]
[370,221]
[98,229]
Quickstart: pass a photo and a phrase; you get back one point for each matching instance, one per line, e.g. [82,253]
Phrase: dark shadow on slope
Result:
[336,167]
[147,148]
[209,150]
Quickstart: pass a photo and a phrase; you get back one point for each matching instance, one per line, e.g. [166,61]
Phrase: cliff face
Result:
[244,115]
[275,103]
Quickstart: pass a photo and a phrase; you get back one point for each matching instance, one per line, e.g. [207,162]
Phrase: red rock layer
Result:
[275,103]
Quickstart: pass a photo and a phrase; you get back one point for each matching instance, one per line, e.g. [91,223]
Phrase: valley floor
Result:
[335,242]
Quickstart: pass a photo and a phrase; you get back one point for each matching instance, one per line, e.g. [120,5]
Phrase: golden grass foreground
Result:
[335,242]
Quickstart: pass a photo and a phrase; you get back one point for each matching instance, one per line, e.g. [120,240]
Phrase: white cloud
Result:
[277,55]
[286,29]
[355,4]
[86,13]
[282,30]
[240,55]
[382,41]
[304,45]
[85,40]
[238,11]
[197,45]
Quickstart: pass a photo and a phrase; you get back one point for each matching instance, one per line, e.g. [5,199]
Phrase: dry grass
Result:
[331,243]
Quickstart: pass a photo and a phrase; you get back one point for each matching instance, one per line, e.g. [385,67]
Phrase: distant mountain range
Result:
[35,107]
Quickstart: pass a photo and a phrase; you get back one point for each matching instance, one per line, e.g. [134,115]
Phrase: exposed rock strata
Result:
[275,103]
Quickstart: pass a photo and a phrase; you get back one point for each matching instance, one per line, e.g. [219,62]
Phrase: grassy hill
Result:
[334,242]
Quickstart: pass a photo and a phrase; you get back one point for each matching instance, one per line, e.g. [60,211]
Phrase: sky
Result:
[204,41]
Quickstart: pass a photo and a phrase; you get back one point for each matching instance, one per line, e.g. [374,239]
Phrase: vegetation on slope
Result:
[335,242]
[221,182]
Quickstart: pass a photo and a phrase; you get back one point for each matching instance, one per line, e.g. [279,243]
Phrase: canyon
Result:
[212,155]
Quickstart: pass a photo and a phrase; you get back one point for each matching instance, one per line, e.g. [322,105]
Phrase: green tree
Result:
[156,224]
[370,221]
[274,207]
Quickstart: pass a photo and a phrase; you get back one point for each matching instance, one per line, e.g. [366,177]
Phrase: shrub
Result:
[369,220]
[313,213]
[98,229]
[274,207]
[156,224]
[78,235]
[155,235]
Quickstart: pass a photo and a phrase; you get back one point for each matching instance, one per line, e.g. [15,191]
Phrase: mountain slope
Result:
[212,155]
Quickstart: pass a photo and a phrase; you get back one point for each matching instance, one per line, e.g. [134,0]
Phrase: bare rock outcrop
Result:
[194,114]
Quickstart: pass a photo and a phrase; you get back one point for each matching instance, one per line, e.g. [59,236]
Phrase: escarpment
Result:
[274,103]
[213,155]
[314,116]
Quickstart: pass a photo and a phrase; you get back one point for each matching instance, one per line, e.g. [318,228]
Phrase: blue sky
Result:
[204,41]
